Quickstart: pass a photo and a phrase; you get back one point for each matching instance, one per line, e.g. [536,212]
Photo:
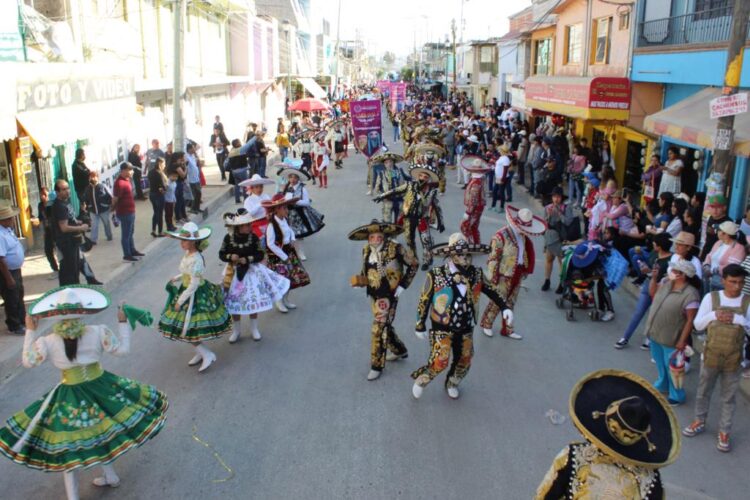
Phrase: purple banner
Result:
[398,96]
[384,86]
[367,126]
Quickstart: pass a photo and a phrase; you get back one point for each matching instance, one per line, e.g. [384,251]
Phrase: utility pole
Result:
[725,125]
[338,42]
[453,35]
[178,84]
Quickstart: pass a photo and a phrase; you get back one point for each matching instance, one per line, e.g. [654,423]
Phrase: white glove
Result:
[398,292]
[421,335]
[466,216]
[508,316]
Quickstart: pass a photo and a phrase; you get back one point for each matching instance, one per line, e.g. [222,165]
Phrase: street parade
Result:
[519,216]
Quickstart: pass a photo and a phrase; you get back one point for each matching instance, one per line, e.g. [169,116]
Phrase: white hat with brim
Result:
[684,266]
[419,168]
[525,221]
[191,232]
[289,162]
[729,227]
[7,212]
[475,164]
[473,138]
[286,172]
[70,301]
[256,180]
[238,218]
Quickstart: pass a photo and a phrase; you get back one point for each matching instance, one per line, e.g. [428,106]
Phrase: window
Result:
[543,56]
[487,63]
[602,29]
[710,9]
[625,21]
[574,44]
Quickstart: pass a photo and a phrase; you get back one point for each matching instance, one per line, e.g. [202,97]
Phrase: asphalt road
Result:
[293,416]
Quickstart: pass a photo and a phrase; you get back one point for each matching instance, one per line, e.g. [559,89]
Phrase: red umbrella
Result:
[309,104]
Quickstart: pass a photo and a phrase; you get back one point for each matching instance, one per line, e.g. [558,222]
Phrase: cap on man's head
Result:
[717,200]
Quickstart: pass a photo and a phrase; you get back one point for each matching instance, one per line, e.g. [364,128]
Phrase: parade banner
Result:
[367,126]
[384,86]
[398,96]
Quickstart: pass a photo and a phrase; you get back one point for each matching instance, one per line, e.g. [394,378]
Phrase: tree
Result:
[407,73]
[388,59]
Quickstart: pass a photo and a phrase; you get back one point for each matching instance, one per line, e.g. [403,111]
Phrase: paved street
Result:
[293,417]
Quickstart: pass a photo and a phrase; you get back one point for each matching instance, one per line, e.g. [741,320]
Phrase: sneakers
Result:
[452,392]
[722,443]
[130,259]
[417,390]
[608,316]
[545,286]
[138,254]
[621,344]
[673,402]
[559,289]
[487,331]
[373,375]
[514,336]
[646,345]
[746,373]
[697,427]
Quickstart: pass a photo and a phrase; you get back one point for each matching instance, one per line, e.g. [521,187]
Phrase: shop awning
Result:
[588,98]
[312,87]
[59,126]
[689,121]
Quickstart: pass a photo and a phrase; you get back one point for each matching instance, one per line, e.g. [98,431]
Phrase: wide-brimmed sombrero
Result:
[238,218]
[289,162]
[428,147]
[420,168]
[191,232]
[70,301]
[457,245]
[584,254]
[256,180]
[475,164]
[286,171]
[375,226]
[278,200]
[626,418]
[387,155]
[525,221]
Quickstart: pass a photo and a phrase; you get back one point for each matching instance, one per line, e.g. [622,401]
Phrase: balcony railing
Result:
[706,26]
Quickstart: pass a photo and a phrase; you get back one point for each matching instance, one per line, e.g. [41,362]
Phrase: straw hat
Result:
[387,155]
[70,301]
[375,226]
[684,238]
[191,232]
[458,245]
[7,212]
[256,180]
[525,221]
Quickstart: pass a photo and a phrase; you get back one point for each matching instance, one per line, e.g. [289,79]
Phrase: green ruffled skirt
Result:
[86,424]
[209,318]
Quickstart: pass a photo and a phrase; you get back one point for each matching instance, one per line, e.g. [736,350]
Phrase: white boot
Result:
[373,375]
[71,484]
[452,392]
[236,330]
[300,251]
[208,358]
[197,358]
[487,331]
[286,302]
[108,478]
[254,329]
[417,390]
[280,306]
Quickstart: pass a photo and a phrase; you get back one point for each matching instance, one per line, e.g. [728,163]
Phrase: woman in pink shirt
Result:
[727,250]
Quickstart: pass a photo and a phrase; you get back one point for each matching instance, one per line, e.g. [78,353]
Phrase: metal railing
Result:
[706,26]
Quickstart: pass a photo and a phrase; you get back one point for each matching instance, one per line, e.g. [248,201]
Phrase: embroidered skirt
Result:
[292,269]
[258,290]
[207,319]
[85,424]
[305,221]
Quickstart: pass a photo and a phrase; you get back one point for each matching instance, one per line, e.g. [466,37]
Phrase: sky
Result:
[392,25]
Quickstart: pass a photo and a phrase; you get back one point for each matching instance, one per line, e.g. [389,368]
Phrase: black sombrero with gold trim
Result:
[375,226]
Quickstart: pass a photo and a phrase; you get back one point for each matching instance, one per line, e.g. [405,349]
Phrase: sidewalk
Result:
[106,261]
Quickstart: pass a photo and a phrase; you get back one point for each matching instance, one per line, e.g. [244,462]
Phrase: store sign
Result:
[723,139]
[728,105]
[56,93]
[596,93]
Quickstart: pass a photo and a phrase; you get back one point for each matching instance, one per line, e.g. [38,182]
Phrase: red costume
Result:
[474,203]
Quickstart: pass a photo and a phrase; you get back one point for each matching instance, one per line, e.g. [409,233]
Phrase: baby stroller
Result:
[582,269]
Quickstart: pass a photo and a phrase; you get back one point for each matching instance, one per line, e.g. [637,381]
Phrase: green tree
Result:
[388,59]
[407,73]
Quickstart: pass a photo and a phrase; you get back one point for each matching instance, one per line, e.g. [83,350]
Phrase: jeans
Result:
[252,165]
[635,258]
[70,262]
[157,203]
[103,219]
[532,182]
[169,215]
[220,159]
[15,311]
[509,188]
[127,226]
[49,248]
[195,188]
[239,174]
[641,308]
[498,193]
[283,152]
[86,270]
[395,133]
[179,206]
[262,166]
[137,175]
[730,382]
[661,355]
[575,190]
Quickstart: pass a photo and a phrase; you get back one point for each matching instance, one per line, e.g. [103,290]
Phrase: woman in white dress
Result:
[671,171]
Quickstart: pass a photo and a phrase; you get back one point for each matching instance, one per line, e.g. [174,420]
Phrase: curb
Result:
[11,366]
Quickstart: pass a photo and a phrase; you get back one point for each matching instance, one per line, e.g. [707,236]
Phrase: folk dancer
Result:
[629,431]
[322,155]
[80,422]
[419,209]
[433,154]
[474,196]
[281,257]
[511,260]
[451,297]
[388,179]
[305,147]
[249,286]
[303,218]
[195,310]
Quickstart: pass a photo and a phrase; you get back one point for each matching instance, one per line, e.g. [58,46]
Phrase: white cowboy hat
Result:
[238,218]
[191,232]
[473,138]
[70,301]
[475,164]
[255,180]
[525,221]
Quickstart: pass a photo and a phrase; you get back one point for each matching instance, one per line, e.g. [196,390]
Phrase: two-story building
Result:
[681,49]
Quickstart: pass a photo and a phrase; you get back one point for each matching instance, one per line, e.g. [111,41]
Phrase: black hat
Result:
[626,418]
[375,226]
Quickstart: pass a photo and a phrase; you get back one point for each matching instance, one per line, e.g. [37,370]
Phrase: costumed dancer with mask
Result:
[434,155]
[195,310]
[303,218]
[92,416]
[420,208]
[511,260]
[282,257]
[451,297]
[249,286]
[387,270]
[389,178]
[474,196]
[629,431]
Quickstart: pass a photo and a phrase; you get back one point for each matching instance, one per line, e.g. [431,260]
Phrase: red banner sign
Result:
[596,93]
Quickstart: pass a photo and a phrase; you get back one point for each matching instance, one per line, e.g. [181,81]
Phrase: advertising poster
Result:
[367,126]
[398,97]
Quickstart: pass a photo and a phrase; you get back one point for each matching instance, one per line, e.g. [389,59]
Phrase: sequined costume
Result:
[474,203]
[387,180]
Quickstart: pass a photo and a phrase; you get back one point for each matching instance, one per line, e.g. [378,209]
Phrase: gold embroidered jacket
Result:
[503,257]
[417,203]
[437,296]
[396,267]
